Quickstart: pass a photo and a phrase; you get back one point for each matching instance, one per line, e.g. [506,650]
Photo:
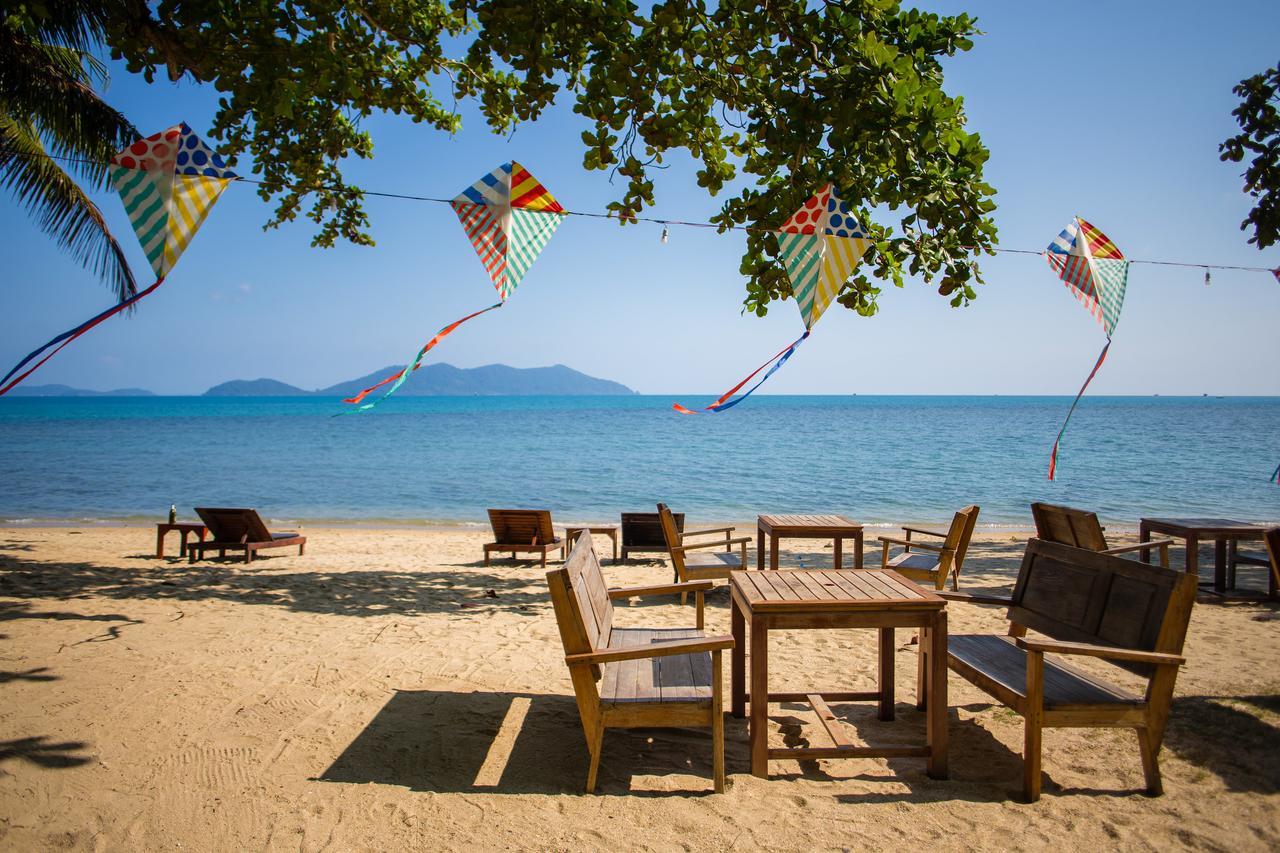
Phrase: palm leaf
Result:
[59,206]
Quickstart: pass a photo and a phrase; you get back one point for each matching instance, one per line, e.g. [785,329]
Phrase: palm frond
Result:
[60,207]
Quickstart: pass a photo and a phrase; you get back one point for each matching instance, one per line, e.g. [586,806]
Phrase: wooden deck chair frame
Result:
[239,529]
[1082,529]
[699,566]
[944,560]
[523,531]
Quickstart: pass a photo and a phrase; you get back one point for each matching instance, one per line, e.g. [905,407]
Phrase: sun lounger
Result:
[522,531]
[239,530]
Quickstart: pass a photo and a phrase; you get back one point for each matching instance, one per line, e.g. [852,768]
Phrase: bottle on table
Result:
[173,513]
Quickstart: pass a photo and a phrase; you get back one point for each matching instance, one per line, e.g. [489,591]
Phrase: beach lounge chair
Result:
[238,529]
[523,531]
[930,561]
[693,567]
[642,533]
[635,677]
[1081,602]
[1081,529]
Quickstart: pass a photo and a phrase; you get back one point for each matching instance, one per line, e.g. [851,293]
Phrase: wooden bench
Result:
[1128,613]
[635,677]
[522,531]
[1081,528]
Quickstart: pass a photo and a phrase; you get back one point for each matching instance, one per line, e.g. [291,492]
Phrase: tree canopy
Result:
[1259,120]
[792,94]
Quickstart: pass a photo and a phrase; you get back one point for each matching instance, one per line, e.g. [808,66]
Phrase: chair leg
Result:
[248,555]
[544,558]
[1031,761]
[486,556]
[302,549]
[717,722]
[1150,761]
[597,742]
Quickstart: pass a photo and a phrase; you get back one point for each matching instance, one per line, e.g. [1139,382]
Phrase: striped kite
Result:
[168,182]
[821,245]
[1096,272]
[509,218]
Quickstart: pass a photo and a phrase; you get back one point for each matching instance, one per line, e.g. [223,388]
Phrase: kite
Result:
[509,218]
[821,244]
[1096,272]
[168,182]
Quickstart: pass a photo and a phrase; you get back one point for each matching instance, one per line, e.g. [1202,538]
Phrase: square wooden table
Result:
[884,600]
[834,527]
[1220,530]
[610,530]
[184,528]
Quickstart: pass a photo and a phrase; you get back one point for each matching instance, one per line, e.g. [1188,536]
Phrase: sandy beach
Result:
[388,691]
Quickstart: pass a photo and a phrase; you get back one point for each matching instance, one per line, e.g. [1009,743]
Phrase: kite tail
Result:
[1053,457]
[720,405]
[400,376]
[65,338]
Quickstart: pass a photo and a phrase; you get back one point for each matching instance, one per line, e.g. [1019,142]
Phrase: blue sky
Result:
[1118,122]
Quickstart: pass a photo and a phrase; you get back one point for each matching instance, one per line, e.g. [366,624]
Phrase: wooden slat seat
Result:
[635,677]
[999,663]
[678,678]
[1082,602]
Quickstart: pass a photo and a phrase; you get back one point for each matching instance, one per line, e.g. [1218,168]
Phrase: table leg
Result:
[759,549]
[759,699]
[936,719]
[838,550]
[1144,535]
[773,551]
[1193,557]
[182,542]
[613,535]
[886,673]
[1220,565]
[738,663]
[857,553]
[922,669]
[159,543]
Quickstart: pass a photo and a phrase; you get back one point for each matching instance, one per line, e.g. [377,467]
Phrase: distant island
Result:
[438,380]
[68,391]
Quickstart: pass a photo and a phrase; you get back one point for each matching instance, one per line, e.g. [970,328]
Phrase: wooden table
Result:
[1220,530]
[185,528]
[834,527]
[610,530]
[884,600]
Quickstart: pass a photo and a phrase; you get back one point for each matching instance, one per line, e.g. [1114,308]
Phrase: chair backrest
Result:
[1068,526]
[584,612]
[522,526]
[644,529]
[229,524]
[1080,595]
[960,532]
[1272,538]
[673,536]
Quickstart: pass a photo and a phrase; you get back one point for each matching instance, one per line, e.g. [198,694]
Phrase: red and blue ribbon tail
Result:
[1275,476]
[1053,458]
[399,377]
[725,402]
[51,348]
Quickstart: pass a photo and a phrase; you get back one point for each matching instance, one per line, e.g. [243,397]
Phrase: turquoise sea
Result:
[445,459]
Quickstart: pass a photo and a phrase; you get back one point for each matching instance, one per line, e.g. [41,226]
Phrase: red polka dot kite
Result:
[168,183]
[821,245]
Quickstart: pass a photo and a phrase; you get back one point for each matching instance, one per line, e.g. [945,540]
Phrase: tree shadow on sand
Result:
[39,751]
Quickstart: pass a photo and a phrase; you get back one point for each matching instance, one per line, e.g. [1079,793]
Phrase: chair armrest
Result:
[653,650]
[889,540]
[708,530]
[972,598]
[925,532]
[660,589]
[718,543]
[1064,648]
[1141,546]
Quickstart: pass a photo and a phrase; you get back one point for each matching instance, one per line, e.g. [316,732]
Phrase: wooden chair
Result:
[635,677]
[642,533]
[690,567]
[940,560]
[1269,558]
[1128,613]
[523,531]
[1081,529]
[239,529]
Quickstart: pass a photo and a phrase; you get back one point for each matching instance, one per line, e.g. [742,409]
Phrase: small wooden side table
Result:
[610,530]
[834,527]
[1220,530]
[799,599]
[184,528]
